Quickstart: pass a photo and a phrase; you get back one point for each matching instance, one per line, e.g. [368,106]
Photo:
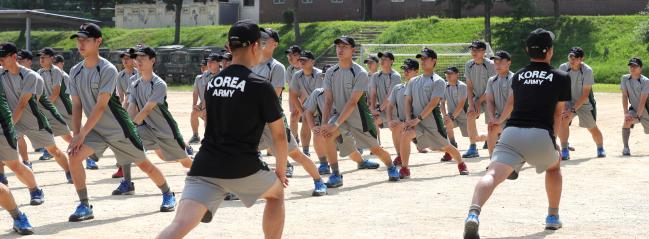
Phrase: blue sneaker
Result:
[366,164]
[28,164]
[320,188]
[22,226]
[552,222]
[68,176]
[90,164]
[601,153]
[471,226]
[82,213]
[37,197]
[189,150]
[125,188]
[39,150]
[565,154]
[472,152]
[393,174]
[335,181]
[46,156]
[626,152]
[324,169]
[168,202]
[3,180]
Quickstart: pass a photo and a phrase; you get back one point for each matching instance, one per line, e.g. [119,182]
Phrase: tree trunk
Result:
[456,8]
[487,22]
[557,12]
[95,9]
[179,11]
[296,22]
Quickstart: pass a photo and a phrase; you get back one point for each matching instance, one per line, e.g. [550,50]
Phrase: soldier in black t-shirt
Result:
[536,99]
[238,104]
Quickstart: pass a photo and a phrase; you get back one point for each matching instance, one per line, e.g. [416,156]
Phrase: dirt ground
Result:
[602,198]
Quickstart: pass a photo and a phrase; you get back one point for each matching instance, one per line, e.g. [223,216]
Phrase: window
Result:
[307,1]
[279,1]
[336,1]
[249,3]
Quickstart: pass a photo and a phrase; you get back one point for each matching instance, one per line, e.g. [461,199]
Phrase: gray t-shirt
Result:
[290,71]
[423,89]
[453,95]
[384,83]
[342,82]
[398,100]
[315,103]
[55,77]
[124,80]
[273,71]
[635,88]
[479,74]
[26,81]
[499,87]
[579,79]
[305,84]
[155,91]
[201,84]
[87,83]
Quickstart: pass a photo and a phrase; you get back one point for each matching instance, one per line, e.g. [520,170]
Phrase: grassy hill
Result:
[609,41]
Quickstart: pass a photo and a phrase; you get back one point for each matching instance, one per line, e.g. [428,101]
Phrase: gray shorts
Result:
[644,122]
[58,128]
[362,139]
[430,137]
[587,117]
[384,117]
[345,141]
[171,149]
[211,191]
[517,146]
[38,138]
[126,152]
[6,151]
[461,123]
[266,140]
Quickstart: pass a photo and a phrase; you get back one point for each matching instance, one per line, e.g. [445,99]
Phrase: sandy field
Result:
[602,198]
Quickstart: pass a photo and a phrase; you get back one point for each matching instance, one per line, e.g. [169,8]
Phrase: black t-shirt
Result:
[238,103]
[537,89]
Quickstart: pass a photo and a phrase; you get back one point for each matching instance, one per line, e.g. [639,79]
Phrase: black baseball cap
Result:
[345,40]
[428,53]
[326,67]
[128,52]
[576,52]
[243,33]
[502,55]
[47,51]
[58,58]
[452,69]
[23,54]
[410,64]
[386,54]
[145,51]
[293,49]
[307,55]
[8,48]
[371,58]
[635,61]
[538,42]
[204,62]
[270,33]
[88,30]
[214,56]
[477,44]
[226,56]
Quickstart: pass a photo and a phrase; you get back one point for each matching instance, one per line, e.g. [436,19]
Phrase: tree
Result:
[454,7]
[176,5]
[296,22]
[96,5]
[557,13]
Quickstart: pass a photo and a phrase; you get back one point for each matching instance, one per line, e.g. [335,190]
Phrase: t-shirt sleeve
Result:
[158,93]
[491,70]
[622,84]
[565,93]
[72,84]
[293,83]
[57,77]
[393,98]
[66,81]
[270,108]
[395,80]
[408,88]
[131,98]
[439,87]
[326,83]
[278,76]
[373,81]
[311,103]
[466,70]
[461,91]
[489,89]
[589,79]
[30,84]
[361,82]
[108,80]
[645,86]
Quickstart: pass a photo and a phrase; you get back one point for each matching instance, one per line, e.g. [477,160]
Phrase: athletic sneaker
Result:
[37,197]
[324,169]
[393,174]
[463,169]
[626,152]
[565,154]
[90,164]
[485,145]
[289,170]
[601,153]
[422,151]
[306,152]
[189,150]
[195,139]
[471,226]
[360,150]
[82,213]
[68,176]
[3,180]
[320,188]
[22,226]
[39,150]
[472,152]
[335,181]
[168,202]
[46,156]
[404,173]
[230,197]
[119,173]
[552,222]
[28,164]
[125,188]
[367,164]
[447,157]
[513,175]
[397,161]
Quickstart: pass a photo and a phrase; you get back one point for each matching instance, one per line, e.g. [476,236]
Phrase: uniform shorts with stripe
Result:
[171,150]
[587,117]
[430,137]
[211,191]
[462,124]
[6,151]
[58,128]
[39,138]
[384,118]
[266,140]
[125,151]
[518,146]
[362,139]
[644,121]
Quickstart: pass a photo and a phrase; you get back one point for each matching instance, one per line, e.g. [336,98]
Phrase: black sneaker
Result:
[289,170]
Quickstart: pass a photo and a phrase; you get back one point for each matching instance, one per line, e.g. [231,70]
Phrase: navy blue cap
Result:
[88,30]
[8,48]
[427,53]
[410,64]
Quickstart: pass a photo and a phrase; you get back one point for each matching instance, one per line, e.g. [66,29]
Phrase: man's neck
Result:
[267,58]
[147,75]
[345,63]
[386,70]
[539,61]
[46,67]
[452,82]
[13,68]
[429,72]
[308,71]
[129,69]
[479,60]
[503,73]
[633,76]
[575,67]
[214,73]
[91,60]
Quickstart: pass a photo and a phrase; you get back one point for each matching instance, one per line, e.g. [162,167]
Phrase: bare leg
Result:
[7,199]
[76,167]
[152,171]
[597,136]
[406,138]
[274,212]
[553,185]
[23,173]
[60,157]
[22,149]
[193,120]
[494,132]
[306,163]
[305,135]
[189,214]
[496,174]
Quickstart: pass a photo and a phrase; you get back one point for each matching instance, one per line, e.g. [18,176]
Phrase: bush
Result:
[288,17]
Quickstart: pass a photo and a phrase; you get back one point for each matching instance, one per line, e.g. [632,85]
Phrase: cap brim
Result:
[340,40]
[79,34]
[633,64]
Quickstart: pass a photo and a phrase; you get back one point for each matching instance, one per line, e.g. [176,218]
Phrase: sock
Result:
[94,157]
[31,190]
[453,143]
[15,213]
[599,146]
[625,137]
[334,168]
[475,208]
[564,145]
[305,149]
[126,169]
[83,196]
[164,188]
[473,146]
[323,160]
[553,211]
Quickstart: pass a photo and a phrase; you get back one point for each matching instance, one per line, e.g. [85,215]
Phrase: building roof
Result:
[16,19]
